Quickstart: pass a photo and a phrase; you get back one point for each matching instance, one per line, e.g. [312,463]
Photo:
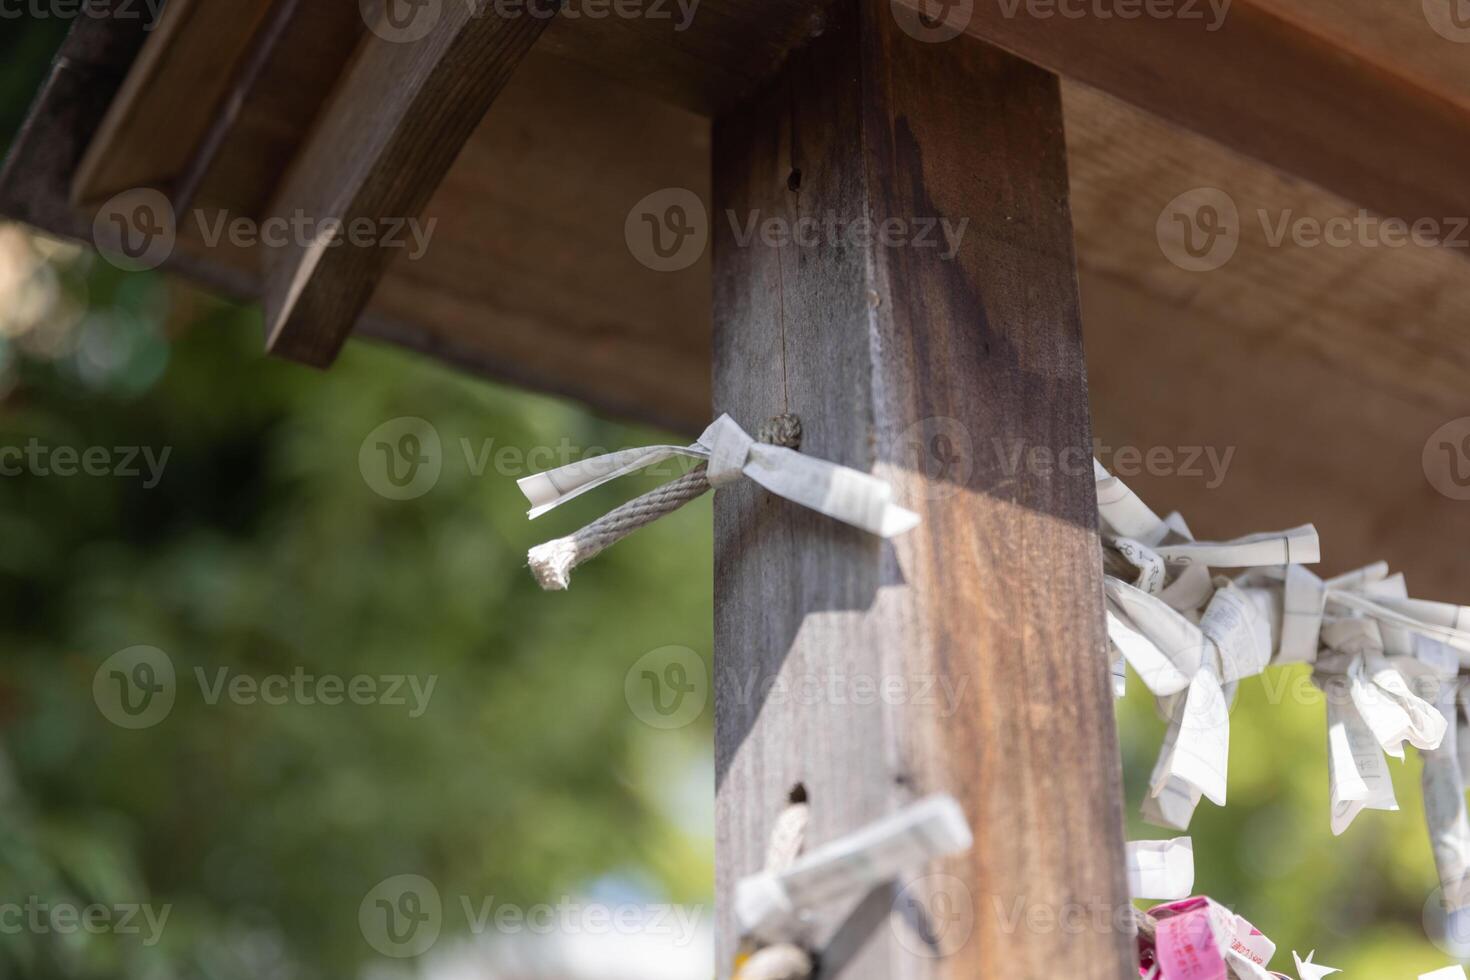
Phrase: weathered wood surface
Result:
[89,70]
[173,90]
[987,619]
[397,120]
[1266,87]
[1317,358]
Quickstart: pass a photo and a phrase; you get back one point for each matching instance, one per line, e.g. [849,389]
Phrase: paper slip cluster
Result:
[1200,939]
[727,454]
[1390,666]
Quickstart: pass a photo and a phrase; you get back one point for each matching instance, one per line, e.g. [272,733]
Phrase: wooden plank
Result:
[88,71]
[885,352]
[1262,86]
[172,92]
[398,119]
[1394,37]
[300,56]
[1320,372]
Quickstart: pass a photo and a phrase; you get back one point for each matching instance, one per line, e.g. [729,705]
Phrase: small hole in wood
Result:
[797,794]
[793,182]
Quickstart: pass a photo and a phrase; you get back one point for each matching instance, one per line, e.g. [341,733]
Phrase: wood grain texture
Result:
[1319,371]
[1399,38]
[1267,88]
[396,122]
[89,70]
[173,91]
[241,162]
[1308,362]
[904,363]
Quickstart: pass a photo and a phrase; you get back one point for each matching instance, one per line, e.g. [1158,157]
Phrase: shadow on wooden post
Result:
[936,344]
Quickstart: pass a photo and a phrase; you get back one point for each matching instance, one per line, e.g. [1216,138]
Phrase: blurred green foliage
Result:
[263,549]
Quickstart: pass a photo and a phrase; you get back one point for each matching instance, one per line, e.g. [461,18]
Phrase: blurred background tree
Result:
[264,548]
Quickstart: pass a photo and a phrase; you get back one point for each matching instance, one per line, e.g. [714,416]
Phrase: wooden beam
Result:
[171,94]
[892,351]
[89,69]
[1261,85]
[395,124]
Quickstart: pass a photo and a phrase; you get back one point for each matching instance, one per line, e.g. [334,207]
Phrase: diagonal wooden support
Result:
[387,137]
[969,655]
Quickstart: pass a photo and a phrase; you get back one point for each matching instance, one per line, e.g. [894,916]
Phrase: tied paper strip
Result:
[1162,870]
[1394,668]
[770,906]
[729,454]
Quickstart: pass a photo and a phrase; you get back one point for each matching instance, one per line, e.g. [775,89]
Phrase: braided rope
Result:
[783,961]
[552,562]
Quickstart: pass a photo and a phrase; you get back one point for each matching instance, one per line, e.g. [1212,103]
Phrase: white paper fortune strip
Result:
[1161,869]
[770,905]
[841,493]
[1392,667]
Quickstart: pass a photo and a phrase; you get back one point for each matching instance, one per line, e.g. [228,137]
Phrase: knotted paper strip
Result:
[770,905]
[844,494]
[841,493]
[1390,665]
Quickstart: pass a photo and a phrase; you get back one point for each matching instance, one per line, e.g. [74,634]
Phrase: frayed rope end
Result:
[783,962]
[552,563]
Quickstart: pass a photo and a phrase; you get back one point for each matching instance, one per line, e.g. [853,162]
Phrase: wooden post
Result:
[970,655]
